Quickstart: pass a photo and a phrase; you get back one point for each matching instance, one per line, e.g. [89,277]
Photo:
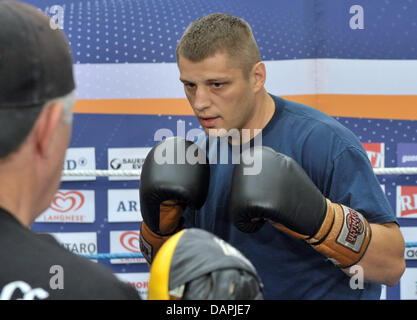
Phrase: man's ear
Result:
[46,126]
[259,76]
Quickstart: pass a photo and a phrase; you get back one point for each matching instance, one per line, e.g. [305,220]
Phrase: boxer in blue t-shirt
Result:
[313,212]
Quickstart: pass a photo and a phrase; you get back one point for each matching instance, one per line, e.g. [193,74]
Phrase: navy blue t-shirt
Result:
[336,162]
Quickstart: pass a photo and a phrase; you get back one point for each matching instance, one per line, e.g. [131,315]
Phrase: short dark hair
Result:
[220,32]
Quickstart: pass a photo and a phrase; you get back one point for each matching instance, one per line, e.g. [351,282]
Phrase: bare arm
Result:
[383,261]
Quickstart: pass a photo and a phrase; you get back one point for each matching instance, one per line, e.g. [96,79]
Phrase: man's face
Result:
[220,95]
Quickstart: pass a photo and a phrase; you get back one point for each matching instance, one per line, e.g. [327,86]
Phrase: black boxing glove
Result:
[283,194]
[175,175]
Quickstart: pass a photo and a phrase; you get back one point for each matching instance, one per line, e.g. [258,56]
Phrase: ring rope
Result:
[101,173]
[398,170]
[108,173]
[139,255]
[112,255]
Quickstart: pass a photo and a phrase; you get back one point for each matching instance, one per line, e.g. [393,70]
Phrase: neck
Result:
[265,109]
[16,191]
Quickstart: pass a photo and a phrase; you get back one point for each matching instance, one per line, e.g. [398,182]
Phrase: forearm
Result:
[383,261]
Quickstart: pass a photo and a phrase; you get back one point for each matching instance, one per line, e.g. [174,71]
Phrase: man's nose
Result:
[201,99]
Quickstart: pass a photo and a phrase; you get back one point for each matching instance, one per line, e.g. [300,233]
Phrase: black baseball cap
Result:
[36,66]
[194,264]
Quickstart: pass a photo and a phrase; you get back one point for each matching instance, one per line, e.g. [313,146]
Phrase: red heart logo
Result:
[67,201]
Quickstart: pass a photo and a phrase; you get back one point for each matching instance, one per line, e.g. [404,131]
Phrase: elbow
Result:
[395,273]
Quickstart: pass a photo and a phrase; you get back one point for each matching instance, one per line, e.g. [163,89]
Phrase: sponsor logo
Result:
[412,158]
[125,242]
[77,242]
[81,248]
[376,154]
[79,159]
[71,164]
[130,241]
[70,206]
[139,281]
[123,205]
[410,235]
[410,253]
[406,202]
[115,164]
[126,159]
[132,163]
[139,284]
[66,201]
[407,154]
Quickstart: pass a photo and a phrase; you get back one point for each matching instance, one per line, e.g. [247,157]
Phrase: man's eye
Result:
[217,85]
[189,85]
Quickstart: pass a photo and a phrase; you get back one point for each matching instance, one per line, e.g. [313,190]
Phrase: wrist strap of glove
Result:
[150,242]
[343,237]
